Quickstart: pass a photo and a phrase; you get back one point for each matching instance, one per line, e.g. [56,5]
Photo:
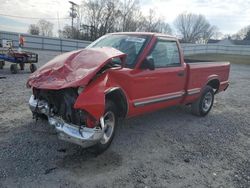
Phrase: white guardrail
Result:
[44,43]
[191,49]
[63,45]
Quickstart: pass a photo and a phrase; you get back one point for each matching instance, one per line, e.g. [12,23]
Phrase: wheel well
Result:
[119,99]
[215,84]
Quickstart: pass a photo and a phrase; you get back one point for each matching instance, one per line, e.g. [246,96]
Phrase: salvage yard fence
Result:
[192,49]
[44,43]
[58,44]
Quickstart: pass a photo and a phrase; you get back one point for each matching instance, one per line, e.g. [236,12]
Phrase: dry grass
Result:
[239,59]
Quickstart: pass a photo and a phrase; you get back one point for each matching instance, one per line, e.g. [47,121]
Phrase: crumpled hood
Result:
[72,69]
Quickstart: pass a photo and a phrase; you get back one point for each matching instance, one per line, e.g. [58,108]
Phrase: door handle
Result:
[181,73]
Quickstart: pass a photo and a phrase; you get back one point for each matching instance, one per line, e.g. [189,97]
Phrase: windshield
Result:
[128,44]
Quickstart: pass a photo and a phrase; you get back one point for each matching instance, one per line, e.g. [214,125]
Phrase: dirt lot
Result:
[169,148]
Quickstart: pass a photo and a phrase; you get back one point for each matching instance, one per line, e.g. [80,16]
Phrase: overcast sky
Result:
[228,15]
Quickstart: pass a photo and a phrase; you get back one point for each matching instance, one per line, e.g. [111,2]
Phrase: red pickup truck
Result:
[83,93]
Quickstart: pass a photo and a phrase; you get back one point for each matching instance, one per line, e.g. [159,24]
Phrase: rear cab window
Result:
[166,53]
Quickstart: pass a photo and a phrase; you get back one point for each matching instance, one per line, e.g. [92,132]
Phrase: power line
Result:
[34,18]
[73,14]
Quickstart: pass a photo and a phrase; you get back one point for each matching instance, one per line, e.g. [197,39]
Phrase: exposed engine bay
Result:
[60,103]
[72,125]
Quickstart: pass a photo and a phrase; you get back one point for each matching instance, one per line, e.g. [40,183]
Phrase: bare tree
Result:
[241,34]
[152,23]
[247,37]
[193,27]
[131,18]
[94,11]
[99,17]
[217,34]
[163,27]
[33,29]
[109,17]
[67,32]
[45,27]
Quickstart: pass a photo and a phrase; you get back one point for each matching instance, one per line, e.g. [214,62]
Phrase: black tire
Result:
[39,116]
[104,144]
[32,68]
[204,104]
[22,65]
[13,68]
[1,64]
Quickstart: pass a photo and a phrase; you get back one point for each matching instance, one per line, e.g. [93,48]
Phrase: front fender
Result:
[92,99]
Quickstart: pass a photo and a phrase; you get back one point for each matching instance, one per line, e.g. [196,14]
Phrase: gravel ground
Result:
[168,148]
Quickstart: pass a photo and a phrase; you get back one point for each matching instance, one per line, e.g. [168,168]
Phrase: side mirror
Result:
[148,63]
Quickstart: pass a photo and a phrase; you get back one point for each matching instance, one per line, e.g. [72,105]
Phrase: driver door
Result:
[163,86]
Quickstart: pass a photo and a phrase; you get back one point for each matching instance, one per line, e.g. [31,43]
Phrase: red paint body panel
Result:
[145,90]
[93,98]
[72,69]
[199,74]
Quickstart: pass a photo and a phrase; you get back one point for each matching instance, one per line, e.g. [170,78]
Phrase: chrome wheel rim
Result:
[109,124]
[207,102]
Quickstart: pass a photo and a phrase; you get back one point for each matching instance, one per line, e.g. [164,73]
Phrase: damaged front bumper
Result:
[80,135]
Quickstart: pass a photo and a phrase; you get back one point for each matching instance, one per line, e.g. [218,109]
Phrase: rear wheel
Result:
[204,104]
[13,68]
[110,123]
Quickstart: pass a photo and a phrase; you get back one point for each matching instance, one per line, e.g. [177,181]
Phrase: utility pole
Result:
[73,15]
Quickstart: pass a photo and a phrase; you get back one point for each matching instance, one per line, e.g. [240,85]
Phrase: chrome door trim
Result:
[170,96]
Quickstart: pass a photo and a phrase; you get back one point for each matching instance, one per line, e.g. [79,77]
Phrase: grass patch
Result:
[239,59]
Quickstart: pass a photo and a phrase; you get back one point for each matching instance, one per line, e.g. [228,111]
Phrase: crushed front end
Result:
[71,124]
[76,115]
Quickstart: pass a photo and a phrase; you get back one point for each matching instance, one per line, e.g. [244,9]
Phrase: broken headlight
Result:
[80,90]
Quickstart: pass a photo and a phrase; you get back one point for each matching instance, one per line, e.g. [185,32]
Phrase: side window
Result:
[165,54]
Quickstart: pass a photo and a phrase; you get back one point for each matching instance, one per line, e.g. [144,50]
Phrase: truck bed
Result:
[201,72]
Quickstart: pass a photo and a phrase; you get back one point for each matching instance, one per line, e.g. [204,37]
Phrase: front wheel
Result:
[110,123]
[204,104]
